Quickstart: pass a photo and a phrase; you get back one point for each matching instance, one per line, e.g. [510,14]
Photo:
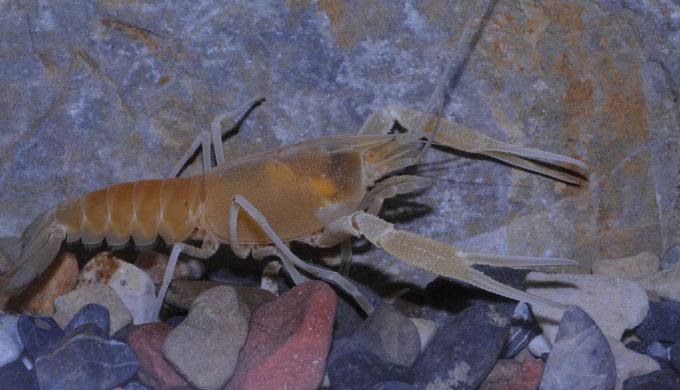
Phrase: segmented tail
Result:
[40,244]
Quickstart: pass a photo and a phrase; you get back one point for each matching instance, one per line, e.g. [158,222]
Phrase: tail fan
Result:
[41,243]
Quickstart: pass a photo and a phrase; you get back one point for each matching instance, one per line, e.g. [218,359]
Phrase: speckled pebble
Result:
[69,304]
[615,304]
[84,360]
[464,350]
[154,264]
[132,285]
[198,347]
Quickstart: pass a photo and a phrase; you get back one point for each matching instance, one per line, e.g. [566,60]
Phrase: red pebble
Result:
[529,377]
[146,342]
[288,341]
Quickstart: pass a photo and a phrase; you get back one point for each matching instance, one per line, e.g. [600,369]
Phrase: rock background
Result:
[105,91]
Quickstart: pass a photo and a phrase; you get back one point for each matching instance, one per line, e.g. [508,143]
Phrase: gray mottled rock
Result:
[198,349]
[324,67]
[133,286]
[10,341]
[68,305]
[464,350]
[387,333]
[640,265]
[581,357]
[614,304]
[85,360]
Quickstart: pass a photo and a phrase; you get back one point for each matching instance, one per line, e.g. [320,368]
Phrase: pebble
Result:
[392,385]
[10,341]
[68,305]
[205,347]
[288,341]
[154,264]
[182,293]
[509,374]
[539,346]
[135,386]
[581,357]
[91,313]
[38,334]
[662,323]
[84,360]
[464,350]
[358,370]
[657,380]
[664,283]
[426,330]
[146,342]
[642,264]
[614,304]
[523,327]
[15,375]
[38,298]
[674,355]
[133,286]
[653,349]
[387,333]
